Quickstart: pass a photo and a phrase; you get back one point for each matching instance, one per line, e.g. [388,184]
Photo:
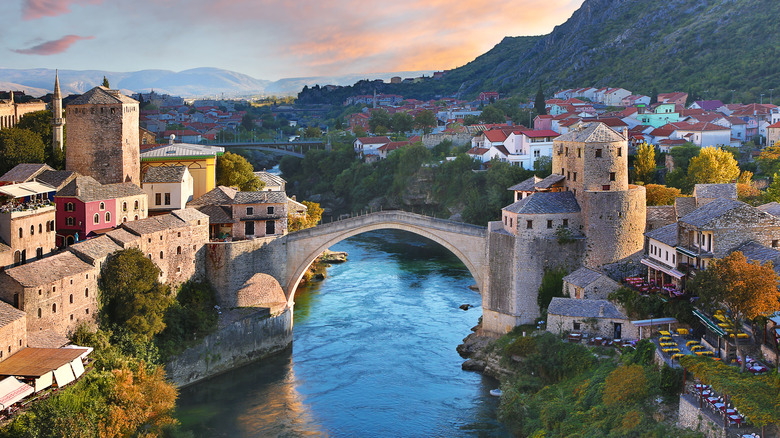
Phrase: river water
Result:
[373,355]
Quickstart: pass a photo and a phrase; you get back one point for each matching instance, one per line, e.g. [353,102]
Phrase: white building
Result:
[168,187]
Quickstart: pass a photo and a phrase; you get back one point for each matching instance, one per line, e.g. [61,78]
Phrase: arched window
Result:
[161,255]
[20,232]
[178,250]
[86,292]
[102,206]
[32,230]
[124,206]
[135,205]
[108,216]
[54,308]
[40,228]
[70,221]
[124,219]
[96,219]
[136,217]
[39,252]
[47,226]
[39,312]
[71,298]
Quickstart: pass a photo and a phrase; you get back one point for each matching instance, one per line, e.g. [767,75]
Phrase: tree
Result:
[131,294]
[661,195]
[359,131]
[654,96]
[625,385]
[492,114]
[312,132]
[379,118]
[19,146]
[551,287]
[543,166]
[769,160]
[310,219]
[645,163]
[539,104]
[402,122]
[233,170]
[713,165]
[744,290]
[426,121]
[248,122]
[105,82]
[682,155]
[773,191]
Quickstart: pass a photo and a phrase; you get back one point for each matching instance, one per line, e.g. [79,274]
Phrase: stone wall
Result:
[614,225]
[13,330]
[690,417]
[29,231]
[604,327]
[431,140]
[246,340]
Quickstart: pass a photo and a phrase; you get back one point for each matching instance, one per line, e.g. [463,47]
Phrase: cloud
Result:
[53,47]
[34,9]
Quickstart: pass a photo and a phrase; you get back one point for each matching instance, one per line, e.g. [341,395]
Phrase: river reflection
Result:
[373,355]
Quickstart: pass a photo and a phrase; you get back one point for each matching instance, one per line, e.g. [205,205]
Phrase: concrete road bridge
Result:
[293,148]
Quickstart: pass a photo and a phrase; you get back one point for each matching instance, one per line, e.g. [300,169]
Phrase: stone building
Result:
[200,161]
[27,217]
[595,317]
[26,172]
[706,193]
[585,213]
[585,283]
[168,187]
[102,137]
[273,183]
[11,111]
[13,330]
[56,293]
[244,215]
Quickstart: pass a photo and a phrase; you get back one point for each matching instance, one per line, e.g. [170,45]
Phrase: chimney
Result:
[601,310]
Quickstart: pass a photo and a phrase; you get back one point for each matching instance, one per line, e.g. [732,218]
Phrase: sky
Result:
[266,39]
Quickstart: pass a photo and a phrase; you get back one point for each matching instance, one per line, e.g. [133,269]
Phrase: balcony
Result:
[17,210]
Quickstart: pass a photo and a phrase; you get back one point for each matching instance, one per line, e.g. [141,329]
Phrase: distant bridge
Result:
[292,148]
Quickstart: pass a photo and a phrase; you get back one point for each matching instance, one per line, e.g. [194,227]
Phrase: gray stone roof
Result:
[48,270]
[24,172]
[57,178]
[189,214]
[593,132]
[122,237]
[708,212]
[101,96]
[545,203]
[772,208]
[164,174]
[666,234]
[94,249]
[9,314]
[267,197]
[527,185]
[270,179]
[217,214]
[153,224]
[584,308]
[219,195]
[712,191]
[662,213]
[755,251]
[582,277]
[533,183]
[684,205]
[87,189]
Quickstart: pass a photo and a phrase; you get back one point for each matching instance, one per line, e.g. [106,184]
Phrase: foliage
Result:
[401,122]
[682,155]
[551,287]
[379,121]
[679,179]
[661,195]
[539,103]
[521,346]
[191,317]
[626,383]
[311,218]
[543,166]
[105,82]
[769,160]
[491,114]
[233,170]
[643,354]
[637,305]
[713,165]
[426,121]
[312,132]
[749,194]
[131,294]
[19,146]
[645,163]
[773,191]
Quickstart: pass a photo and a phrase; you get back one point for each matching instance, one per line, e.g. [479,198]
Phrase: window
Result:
[178,234]
[167,199]
[250,211]
[96,218]
[511,224]
[549,223]
[69,206]
[270,227]
[249,228]
[54,308]
[124,219]
[40,228]
[566,153]
[270,210]
[575,176]
[605,187]
[161,255]
[562,171]
[124,206]
[135,205]
[774,243]
[576,325]
[565,223]
[20,232]
[39,312]
[86,292]
[568,176]
[620,152]
[611,176]
[39,252]
[579,152]
[32,230]
[666,255]
[157,198]
[537,153]
[136,217]
[102,206]
[529,224]
[108,216]
[71,298]
[598,153]
[504,220]
[178,250]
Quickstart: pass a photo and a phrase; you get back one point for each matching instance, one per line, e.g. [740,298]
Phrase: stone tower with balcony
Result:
[103,136]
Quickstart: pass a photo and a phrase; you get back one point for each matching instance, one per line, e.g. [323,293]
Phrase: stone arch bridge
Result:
[286,258]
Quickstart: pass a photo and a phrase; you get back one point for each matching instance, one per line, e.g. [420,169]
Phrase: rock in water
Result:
[466,306]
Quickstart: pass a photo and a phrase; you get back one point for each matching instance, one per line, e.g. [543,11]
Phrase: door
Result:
[618,330]
[270,227]
[249,228]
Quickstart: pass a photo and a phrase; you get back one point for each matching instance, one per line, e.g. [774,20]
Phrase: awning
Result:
[687,252]
[12,390]
[64,375]
[653,321]
[713,327]
[26,189]
[673,272]
[44,381]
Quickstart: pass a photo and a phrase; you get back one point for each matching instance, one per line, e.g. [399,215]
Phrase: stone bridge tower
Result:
[103,136]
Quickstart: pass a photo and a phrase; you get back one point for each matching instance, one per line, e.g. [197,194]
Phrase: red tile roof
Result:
[374,140]
[477,151]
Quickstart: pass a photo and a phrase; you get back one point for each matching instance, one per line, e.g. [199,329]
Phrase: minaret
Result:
[56,115]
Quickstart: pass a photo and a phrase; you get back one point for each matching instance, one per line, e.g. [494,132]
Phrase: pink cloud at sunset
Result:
[53,47]
[34,9]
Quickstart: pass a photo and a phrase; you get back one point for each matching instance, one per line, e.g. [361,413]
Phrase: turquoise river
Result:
[373,356]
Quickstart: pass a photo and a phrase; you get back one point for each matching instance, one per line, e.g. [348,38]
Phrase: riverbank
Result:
[318,269]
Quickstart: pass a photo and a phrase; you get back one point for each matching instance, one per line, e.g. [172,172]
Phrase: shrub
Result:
[627,384]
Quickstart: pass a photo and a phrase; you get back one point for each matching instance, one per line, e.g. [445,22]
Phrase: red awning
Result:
[12,390]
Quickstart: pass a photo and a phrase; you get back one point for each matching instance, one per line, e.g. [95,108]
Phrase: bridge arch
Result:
[466,242]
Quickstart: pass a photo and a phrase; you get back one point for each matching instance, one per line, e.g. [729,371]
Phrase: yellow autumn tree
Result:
[309,219]
[645,163]
[713,165]
[661,195]
[627,384]
[744,290]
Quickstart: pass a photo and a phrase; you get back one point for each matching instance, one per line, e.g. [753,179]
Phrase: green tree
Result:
[713,165]
[491,114]
[773,191]
[551,287]
[682,155]
[105,82]
[426,121]
[744,290]
[539,104]
[248,122]
[769,160]
[233,170]
[543,166]
[39,122]
[379,118]
[312,132]
[19,146]
[402,122]
[131,294]
[645,163]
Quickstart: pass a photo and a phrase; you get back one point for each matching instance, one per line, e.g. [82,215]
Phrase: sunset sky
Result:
[266,39]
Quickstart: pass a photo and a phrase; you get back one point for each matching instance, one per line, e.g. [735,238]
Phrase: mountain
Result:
[709,47]
[188,83]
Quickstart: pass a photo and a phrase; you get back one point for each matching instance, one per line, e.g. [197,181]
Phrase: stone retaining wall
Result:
[691,417]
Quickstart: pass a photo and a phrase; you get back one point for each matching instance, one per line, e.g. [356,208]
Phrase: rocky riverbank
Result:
[482,355]
[318,268]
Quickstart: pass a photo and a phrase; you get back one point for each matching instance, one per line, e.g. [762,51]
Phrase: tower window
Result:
[565,223]
[598,153]
[575,176]
[568,176]
[611,176]
[529,224]
[549,223]
[620,152]
[579,152]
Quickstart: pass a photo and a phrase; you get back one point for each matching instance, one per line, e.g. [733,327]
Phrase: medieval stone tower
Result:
[593,158]
[57,121]
[103,136]
[585,213]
